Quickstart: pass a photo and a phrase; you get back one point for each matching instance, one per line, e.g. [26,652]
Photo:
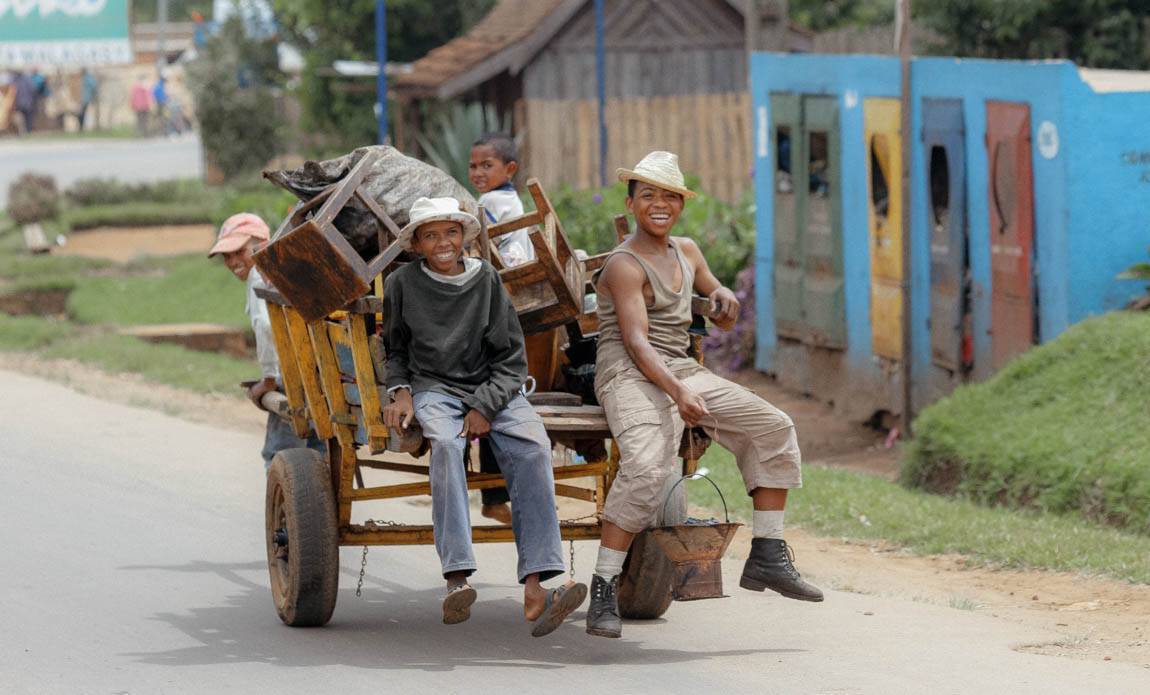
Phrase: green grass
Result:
[167,364]
[860,507]
[187,289]
[1061,429]
[19,333]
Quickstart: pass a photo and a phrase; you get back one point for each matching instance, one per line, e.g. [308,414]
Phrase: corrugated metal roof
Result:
[505,39]
[508,23]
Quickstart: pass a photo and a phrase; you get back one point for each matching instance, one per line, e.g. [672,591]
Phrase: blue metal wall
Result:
[1091,192]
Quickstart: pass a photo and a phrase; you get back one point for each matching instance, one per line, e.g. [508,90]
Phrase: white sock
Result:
[610,562]
[767,524]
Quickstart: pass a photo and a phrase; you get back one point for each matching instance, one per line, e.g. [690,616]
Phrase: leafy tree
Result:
[329,30]
[824,15]
[1093,33]
[234,82]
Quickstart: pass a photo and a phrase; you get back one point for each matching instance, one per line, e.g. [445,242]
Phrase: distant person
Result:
[141,102]
[25,102]
[240,236]
[89,92]
[494,161]
[160,99]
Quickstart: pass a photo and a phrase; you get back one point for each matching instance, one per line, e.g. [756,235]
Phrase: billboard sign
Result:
[64,33]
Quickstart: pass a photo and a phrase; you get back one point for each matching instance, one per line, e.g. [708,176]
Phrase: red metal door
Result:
[1012,317]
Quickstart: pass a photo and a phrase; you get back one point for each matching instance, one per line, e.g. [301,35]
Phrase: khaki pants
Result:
[647,428]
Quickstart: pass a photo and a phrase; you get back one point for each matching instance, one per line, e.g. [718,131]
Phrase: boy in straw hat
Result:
[650,388]
[456,363]
[240,236]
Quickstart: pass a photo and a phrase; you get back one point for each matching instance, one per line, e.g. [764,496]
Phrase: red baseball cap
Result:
[237,230]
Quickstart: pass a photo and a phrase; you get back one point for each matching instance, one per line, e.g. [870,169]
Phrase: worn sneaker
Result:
[603,613]
[771,566]
[457,604]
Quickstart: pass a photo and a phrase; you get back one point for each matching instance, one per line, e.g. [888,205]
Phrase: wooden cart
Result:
[309,497]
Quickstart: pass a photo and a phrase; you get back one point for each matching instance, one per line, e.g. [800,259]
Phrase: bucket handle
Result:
[726,513]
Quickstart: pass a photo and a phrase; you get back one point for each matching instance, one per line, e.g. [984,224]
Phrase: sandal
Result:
[559,604]
[457,604]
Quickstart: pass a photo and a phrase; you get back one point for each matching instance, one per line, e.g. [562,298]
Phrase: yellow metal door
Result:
[884,206]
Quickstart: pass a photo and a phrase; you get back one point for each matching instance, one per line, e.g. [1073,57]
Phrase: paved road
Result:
[152,159]
[133,563]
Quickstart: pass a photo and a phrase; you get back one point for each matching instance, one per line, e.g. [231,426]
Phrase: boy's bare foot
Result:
[498,512]
[557,605]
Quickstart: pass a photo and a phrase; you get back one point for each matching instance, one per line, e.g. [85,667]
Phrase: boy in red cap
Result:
[240,236]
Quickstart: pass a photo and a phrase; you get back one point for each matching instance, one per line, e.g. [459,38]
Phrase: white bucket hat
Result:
[426,210]
[658,169]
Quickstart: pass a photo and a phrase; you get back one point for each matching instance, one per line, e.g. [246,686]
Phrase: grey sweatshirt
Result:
[463,341]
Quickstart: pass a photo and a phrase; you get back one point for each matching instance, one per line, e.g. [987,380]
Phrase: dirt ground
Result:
[1099,619]
[122,244]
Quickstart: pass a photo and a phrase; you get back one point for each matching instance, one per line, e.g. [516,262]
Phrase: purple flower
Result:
[598,198]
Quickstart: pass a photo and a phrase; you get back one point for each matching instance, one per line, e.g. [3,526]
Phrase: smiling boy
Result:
[456,363]
[650,388]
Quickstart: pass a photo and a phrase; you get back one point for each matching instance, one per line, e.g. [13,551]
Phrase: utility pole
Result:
[162,21]
[601,88]
[381,60]
[902,32]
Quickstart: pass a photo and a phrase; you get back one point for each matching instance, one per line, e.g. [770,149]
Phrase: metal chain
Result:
[362,571]
[572,563]
[363,562]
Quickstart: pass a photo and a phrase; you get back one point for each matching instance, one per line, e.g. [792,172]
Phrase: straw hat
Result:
[658,169]
[426,210]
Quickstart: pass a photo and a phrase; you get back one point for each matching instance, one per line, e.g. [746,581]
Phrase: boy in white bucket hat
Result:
[456,363]
[650,388]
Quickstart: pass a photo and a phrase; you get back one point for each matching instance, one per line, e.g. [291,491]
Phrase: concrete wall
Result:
[1091,169]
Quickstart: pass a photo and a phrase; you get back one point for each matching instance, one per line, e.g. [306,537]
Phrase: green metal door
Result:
[786,110]
[820,224]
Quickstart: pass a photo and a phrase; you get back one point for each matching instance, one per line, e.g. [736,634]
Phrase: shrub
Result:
[235,92]
[33,198]
[1061,429]
[106,191]
[725,233]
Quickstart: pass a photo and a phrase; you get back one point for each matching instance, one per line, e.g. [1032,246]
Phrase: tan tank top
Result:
[667,321]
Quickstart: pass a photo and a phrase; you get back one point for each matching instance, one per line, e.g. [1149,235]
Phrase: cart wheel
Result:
[646,582]
[302,540]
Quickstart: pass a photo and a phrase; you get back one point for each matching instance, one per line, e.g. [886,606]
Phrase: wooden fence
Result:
[711,133]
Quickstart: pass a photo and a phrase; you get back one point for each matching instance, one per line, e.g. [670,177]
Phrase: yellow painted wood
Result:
[884,150]
[425,535]
[316,403]
[321,339]
[365,379]
[289,369]
[475,481]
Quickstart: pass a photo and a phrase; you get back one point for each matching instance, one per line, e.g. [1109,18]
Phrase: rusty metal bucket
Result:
[696,550]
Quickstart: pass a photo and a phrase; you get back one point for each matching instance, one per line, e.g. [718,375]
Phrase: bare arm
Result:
[724,304]
[622,280]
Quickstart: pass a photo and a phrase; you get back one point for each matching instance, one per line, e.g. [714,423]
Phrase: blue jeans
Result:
[280,436]
[523,450]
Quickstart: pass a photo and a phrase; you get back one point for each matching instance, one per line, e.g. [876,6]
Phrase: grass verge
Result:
[167,364]
[183,289]
[1061,429]
[860,507]
[30,332]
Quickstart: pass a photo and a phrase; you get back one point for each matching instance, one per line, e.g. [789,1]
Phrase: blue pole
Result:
[381,60]
[601,89]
